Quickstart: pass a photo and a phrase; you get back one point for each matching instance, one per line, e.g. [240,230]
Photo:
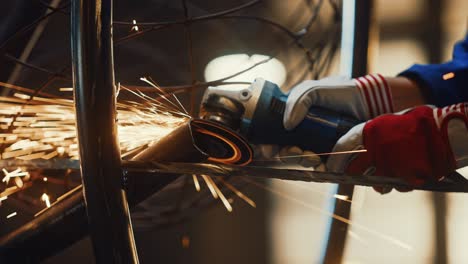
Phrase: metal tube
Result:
[354,57]
[95,98]
[179,145]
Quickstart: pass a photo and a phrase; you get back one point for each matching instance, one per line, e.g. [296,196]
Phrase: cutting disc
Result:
[221,143]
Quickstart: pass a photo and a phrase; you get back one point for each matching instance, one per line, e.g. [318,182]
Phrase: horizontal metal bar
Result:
[135,168]
[452,183]
[146,178]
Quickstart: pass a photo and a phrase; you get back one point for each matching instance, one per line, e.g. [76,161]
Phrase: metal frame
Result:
[95,104]
[356,23]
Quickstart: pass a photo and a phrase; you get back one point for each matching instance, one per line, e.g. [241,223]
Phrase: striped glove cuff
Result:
[376,94]
[442,114]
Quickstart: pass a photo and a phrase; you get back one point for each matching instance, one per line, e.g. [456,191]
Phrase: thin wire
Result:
[163,95]
[188,35]
[315,154]
[186,20]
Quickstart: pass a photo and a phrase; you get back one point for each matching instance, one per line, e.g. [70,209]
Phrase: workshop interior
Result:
[130,132]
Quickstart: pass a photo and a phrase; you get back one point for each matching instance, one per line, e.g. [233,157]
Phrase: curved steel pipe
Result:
[356,22]
[95,99]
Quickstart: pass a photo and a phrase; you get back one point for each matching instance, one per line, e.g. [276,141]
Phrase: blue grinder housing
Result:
[318,132]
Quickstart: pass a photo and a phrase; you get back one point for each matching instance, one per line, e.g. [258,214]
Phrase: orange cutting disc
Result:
[222,144]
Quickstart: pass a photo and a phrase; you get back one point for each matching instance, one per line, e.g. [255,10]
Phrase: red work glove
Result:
[423,144]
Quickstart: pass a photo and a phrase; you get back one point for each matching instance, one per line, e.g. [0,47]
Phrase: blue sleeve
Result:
[447,83]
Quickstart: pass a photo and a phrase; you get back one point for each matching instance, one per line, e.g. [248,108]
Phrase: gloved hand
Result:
[362,98]
[419,145]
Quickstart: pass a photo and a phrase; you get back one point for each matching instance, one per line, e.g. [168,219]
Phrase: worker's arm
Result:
[369,96]
[406,93]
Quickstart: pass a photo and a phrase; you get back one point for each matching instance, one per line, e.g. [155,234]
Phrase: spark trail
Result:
[34,128]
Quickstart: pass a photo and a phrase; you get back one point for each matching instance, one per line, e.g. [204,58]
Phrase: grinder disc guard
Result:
[223,110]
[220,143]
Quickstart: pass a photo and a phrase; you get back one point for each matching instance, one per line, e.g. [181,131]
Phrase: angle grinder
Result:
[257,113]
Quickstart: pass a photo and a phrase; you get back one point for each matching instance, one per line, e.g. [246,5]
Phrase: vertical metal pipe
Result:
[432,43]
[95,98]
[354,57]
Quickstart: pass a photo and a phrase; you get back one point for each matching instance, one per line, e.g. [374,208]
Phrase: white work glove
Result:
[362,98]
[417,145]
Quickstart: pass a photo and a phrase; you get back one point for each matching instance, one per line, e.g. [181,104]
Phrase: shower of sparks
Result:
[376,233]
[196,183]
[16,173]
[63,196]
[220,194]
[9,191]
[325,194]
[19,182]
[210,186]
[341,197]
[239,193]
[135,27]
[164,96]
[44,128]
[11,215]
[66,89]
[357,237]
[45,198]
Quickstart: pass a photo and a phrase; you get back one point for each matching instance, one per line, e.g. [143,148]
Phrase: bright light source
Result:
[273,70]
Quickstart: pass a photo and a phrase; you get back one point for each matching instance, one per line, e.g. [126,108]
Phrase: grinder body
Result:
[263,105]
